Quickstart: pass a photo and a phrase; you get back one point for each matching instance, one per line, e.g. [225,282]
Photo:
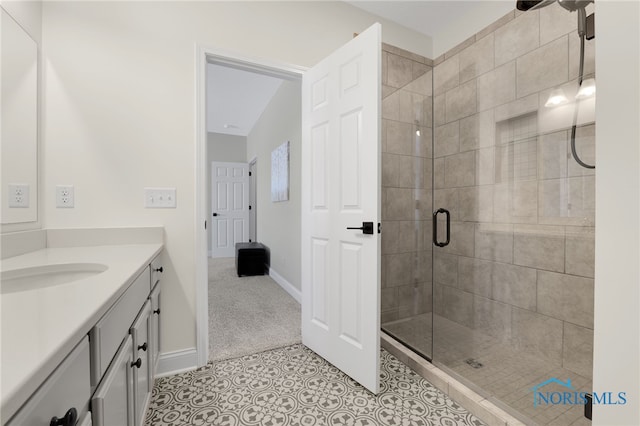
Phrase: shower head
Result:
[573,5]
[525,5]
[570,5]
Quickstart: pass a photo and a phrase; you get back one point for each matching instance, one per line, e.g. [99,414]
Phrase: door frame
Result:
[253,200]
[208,55]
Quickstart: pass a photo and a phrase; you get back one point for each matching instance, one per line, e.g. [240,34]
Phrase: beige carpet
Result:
[248,314]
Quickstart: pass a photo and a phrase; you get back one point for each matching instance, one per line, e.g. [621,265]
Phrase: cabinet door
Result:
[141,352]
[67,388]
[112,404]
[155,331]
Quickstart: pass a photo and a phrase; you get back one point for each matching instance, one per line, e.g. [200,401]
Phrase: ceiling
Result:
[447,22]
[236,99]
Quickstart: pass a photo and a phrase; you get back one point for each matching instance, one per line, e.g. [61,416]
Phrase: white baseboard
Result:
[171,363]
[286,285]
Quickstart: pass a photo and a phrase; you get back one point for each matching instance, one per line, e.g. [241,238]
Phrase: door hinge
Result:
[249,173]
[205,224]
[249,207]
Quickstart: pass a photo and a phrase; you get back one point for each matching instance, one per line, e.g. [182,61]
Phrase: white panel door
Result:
[341,189]
[230,207]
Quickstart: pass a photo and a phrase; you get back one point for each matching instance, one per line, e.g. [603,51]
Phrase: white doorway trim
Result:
[253,200]
[206,55]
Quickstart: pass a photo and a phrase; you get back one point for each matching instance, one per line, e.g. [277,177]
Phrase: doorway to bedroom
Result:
[250,113]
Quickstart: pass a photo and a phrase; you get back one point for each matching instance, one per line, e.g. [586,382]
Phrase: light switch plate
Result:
[18,195]
[160,198]
[65,196]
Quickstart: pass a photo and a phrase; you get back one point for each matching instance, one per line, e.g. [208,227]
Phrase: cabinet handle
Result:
[69,419]
[137,364]
[143,347]
[157,311]
[160,269]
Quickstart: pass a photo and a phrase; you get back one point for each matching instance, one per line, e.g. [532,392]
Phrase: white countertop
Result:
[40,327]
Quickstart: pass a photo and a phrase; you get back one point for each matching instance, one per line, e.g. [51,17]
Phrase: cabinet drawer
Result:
[156,271]
[67,387]
[112,404]
[107,334]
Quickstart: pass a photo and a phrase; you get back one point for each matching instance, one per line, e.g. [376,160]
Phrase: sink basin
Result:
[37,277]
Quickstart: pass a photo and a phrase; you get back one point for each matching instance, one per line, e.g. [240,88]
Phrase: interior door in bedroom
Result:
[229,206]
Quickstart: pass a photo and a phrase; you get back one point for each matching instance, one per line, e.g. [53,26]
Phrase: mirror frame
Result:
[29,12]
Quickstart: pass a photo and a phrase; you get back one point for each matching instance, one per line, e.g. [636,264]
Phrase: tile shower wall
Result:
[406,184]
[520,265]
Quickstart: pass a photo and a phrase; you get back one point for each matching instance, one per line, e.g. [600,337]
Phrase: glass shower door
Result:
[406,198]
[513,285]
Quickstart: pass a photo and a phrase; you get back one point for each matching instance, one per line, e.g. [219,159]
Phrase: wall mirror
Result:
[19,123]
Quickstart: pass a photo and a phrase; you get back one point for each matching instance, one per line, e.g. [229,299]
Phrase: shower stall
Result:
[488,218]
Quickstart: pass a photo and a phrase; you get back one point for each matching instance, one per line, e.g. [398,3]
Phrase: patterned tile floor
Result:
[294,386]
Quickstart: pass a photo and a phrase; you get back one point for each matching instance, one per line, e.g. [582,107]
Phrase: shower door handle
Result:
[435,227]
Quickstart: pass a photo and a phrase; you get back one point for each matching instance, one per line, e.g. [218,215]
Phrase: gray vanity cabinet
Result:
[124,391]
[142,374]
[113,401]
[106,377]
[64,395]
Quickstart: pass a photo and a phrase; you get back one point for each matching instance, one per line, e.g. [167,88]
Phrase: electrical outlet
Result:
[18,195]
[64,196]
[160,198]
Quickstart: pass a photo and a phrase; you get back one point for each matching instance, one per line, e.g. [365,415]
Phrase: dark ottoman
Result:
[251,258]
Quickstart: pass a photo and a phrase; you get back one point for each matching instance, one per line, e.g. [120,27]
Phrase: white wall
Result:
[278,224]
[221,147]
[616,361]
[28,14]
[230,148]
[120,109]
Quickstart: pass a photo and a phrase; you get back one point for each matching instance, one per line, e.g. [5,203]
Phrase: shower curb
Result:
[475,403]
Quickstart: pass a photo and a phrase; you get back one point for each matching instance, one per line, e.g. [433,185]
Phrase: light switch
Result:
[160,198]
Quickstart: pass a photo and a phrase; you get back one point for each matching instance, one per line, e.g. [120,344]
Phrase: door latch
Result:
[366,228]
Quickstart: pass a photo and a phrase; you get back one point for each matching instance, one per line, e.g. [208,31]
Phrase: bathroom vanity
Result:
[82,346]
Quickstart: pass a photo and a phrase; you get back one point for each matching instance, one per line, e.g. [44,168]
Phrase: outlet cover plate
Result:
[64,196]
[160,198]
[18,195]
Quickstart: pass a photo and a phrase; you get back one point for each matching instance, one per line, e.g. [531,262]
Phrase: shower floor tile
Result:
[414,331]
[506,374]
